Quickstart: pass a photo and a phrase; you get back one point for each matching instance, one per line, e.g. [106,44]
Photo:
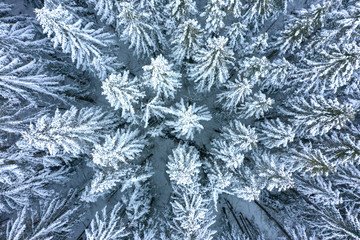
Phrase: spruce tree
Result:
[212,65]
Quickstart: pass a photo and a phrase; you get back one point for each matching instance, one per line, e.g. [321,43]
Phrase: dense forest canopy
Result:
[179,119]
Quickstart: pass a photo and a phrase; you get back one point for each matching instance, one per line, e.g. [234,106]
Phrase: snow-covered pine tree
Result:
[19,36]
[348,20]
[115,162]
[107,226]
[183,166]
[236,34]
[334,223]
[328,199]
[235,93]
[234,7]
[191,210]
[161,78]
[220,181]
[214,14]
[107,10]
[348,177]
[241,182]
[123,92]
[273,171]
[106,180]
[257,11]
[240,136]
[331,69]
[299,28]
[256,106]
[192,216]
[181,10]
[137,201]
[278,75]
[186,119]
[311,161]
[124,147]
[275,133]
[83,42]
[255,69]
[186,40]
[35,158]
[26,81]
[318,115]
[343,146]
[212,64]
[319,191]
[137,29]
[229,153]
[14,121]
[153,108]
[19,185]
[74,131]
[53,219]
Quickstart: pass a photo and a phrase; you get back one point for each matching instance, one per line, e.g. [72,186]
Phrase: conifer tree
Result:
[275,133]
[319,115]
[26,81]
[19,185]
[333,223]
[246,184]
[239,135]
[255,69]
[106,180]
[153,108]
[343,147]
[214,14]
[235,93]
[82,42]
[191,213]
[229,153]
[234,7]
[138,208]
[299,28]
[312,161]
[125,146]
[212,64]
[274,172]
[186,119]
[319,191]
[72,132]
[138,30]
[107,9]
[236,34]
[107,227]
[180,10]
[279,74]
[332,69]
[257,11]
[349,20]
[192,219]
[256,106]
[183,166]
[160,77]
[115,163]
[186,40]
[54,219]
[122,92]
